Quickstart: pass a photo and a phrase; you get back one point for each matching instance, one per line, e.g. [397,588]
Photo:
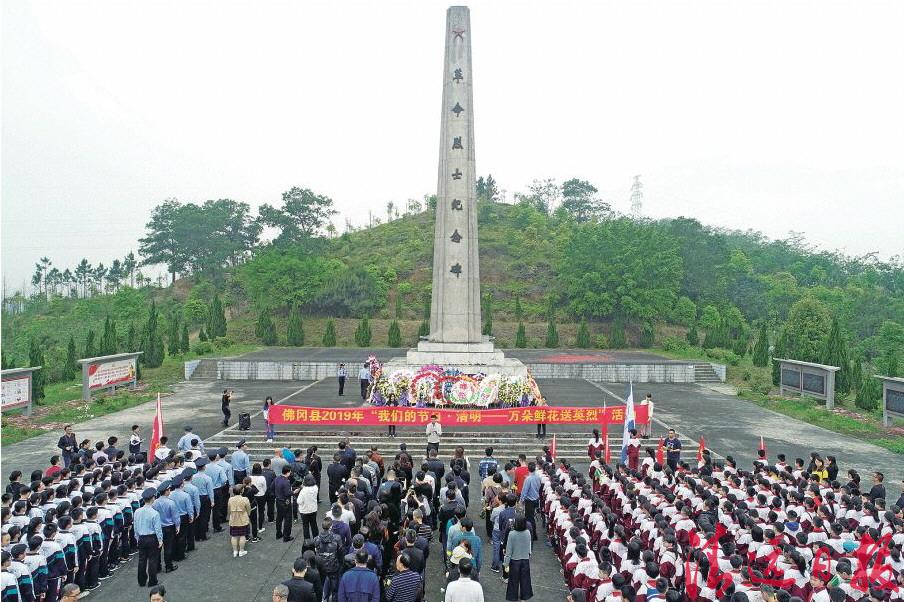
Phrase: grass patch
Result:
[62,401]
[864,427]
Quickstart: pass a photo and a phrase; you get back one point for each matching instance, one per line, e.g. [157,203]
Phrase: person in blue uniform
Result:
[186,512]
[203,481]
[188,476]
[241,463]
[169,522]
[149,531]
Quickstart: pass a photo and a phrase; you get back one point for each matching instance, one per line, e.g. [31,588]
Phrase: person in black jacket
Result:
[300,589]
[336,474]
[312,575]
[282,489]
[68,444]
[878,489]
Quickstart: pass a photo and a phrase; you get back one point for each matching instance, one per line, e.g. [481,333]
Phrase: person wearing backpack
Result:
[328,557]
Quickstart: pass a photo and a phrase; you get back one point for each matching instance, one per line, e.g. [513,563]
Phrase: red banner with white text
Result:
[386,415]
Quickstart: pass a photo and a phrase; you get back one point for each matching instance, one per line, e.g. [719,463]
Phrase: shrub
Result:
[583,339]
[223,342]
[693,338]
[520,337]
[395,334]
[363,333]
[203,348]
[602,341]
[675,344]
[329,335]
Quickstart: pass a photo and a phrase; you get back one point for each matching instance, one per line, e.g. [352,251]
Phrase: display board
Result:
[108,372]
[17,389]
[807,378]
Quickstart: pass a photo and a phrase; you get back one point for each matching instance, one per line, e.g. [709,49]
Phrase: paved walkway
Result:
[730,425]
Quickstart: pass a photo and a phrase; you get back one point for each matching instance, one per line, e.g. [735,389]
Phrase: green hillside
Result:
[573,278]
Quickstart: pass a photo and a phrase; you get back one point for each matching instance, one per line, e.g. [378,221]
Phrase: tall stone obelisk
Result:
[455,311]
[455,339]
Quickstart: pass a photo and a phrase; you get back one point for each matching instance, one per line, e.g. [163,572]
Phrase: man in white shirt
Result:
[434,432]
[464,589]
[364,377]
[342,374]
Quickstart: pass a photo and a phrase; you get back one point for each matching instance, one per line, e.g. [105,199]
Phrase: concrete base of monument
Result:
[470,358]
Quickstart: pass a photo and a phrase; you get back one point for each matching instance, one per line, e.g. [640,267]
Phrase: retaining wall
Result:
[670,372]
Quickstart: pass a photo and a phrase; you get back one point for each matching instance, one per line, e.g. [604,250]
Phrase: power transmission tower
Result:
[636,197]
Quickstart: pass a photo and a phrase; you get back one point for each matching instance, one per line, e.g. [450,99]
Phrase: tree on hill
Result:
[552,335]
[216,321]
[108,340]
[132,342]
[520,337]
[70,368]
[173,342]
[761,348]
[692,337]
[295,328]
[647,335]
[519,313]
[806,330]
[488,314]
[5,362]
[183,339]
[835,354]
[617,338]
[856,373]
[583,338]
[38,377]
[620,268]
[90,349]
[363,333]
[780,351]
[162,244]
[329,334]
[202,335]
[423,329]
[265,329]
[395,335]
[303,215]
[152,341]
[579,201]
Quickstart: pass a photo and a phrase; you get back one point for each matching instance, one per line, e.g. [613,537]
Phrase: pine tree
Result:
[869,394]
[647,336]
[856,374]
[552,335]
[692,338]
[779,352]
[131,339]
[427,301]
[216,321]
[295,328]
[617,339]
[173,343]
[519,313]
[183,340]
[5,362]
[70,368]
[363,333]
[329,335]
[739,347]
[583,339]
[891,363]
[761,348]
[265,329]
[395,334]
[424,329]
[520,337]
[488,315]
[202,335]
[38,377]
[398,305]
[152,341]
[835,354]
[90,349]
[107,339]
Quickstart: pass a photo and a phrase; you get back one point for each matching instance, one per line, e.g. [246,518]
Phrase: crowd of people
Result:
[774,532]
[644,531]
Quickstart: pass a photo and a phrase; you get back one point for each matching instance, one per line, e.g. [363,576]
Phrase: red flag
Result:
[660,453]
[607,453]
[700,450]
[158,430]
[552,448]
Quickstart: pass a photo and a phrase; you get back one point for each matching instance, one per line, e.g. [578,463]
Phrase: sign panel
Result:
[814,383]
[16,391]
[108,374]
[894,400]
[791,378]
[399,416]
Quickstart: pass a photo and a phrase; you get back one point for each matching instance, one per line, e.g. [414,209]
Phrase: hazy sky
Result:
[774,116]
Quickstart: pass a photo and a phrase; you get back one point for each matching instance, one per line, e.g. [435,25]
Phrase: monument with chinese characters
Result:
[455,339]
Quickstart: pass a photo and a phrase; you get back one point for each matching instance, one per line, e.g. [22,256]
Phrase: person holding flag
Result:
[761,452]
[157,431]
[700,451]
[630,454]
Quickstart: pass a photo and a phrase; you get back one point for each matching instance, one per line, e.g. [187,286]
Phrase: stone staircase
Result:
[704,373]
[506,445]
